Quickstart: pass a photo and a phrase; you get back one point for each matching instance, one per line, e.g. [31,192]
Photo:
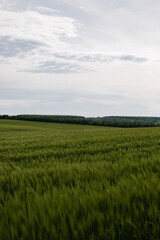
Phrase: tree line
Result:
[112,121]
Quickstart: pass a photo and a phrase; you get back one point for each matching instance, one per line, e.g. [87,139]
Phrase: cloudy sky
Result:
[80,57]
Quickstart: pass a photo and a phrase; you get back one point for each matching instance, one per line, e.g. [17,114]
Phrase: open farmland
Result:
[65,182]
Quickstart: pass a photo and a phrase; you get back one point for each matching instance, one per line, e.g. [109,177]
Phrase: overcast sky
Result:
[80,57]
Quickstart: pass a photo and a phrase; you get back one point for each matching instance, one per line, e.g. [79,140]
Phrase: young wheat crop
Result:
[73,182]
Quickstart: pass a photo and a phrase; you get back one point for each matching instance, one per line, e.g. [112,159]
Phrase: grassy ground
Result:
[60,181]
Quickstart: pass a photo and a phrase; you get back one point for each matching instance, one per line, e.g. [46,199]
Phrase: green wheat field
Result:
[72,182]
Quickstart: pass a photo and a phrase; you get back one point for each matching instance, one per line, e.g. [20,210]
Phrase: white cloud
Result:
[33,36]
[40,39]
[112,47]
[31,25]
[45,10]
